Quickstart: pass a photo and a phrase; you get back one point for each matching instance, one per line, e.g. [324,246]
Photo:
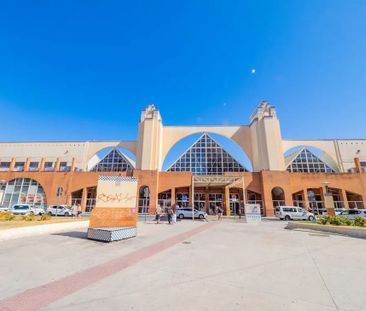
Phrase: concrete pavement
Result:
[229,266]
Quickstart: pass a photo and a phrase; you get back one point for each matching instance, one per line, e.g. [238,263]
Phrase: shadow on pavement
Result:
[73,234]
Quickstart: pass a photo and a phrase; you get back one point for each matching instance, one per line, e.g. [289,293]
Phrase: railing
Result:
[317,207]
[75,201]
[356,204]
[338,204]
[278,203]
[299,203]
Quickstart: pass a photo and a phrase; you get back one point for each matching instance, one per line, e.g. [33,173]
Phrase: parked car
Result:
[4,209]
[26,209]
[339,211]
[186,212]
[293,213]
[59,210]
[353,213]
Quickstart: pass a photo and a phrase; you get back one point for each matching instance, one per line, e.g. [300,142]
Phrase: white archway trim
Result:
[173,134]
[328,148]
[94,147]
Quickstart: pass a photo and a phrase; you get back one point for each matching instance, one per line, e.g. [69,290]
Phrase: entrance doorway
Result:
[214,201]
[234,204]
[200,201]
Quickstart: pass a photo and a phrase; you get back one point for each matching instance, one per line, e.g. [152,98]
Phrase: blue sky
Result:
[83,70]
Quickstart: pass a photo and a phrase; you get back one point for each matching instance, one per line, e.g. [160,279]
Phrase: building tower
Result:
[266,139]
[149,142]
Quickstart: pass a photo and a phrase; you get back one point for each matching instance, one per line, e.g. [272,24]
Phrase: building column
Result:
[41,165]
[72,165]
[358,165]
[305,199]
[207,201]
[12,165]
[26,165]
[190,203]
[84,197]
[267,202]
[172,197]
[227,201]
[288,198]
[343,195]
[57,165]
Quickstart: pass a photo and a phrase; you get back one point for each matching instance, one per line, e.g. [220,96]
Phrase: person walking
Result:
[78,210]
[174,214]
[158,214]
[219,213]
[170,215]
[74,210]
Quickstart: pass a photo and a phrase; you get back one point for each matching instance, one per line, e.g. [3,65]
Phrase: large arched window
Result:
[112,160]
[23,191]
[206,156]
[307,160]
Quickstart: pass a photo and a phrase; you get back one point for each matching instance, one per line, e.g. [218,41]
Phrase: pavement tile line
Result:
[41,296]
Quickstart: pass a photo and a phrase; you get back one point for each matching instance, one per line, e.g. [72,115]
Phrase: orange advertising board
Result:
[115,202]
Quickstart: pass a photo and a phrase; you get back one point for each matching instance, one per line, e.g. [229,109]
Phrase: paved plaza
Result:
[224,265]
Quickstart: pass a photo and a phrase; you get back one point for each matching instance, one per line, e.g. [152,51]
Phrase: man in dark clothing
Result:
[170,215]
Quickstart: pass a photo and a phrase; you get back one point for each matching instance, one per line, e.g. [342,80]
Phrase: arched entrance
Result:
[278,197]
[144,200]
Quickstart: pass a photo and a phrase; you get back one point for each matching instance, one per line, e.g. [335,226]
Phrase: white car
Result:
[293,213]
[26,209]
[186,212]
[59,210]
[353,213]
[4,209]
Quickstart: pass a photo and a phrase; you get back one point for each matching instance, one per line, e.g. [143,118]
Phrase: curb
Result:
[15,233]
[347,231]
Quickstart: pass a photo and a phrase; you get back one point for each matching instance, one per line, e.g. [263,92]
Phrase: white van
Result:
[26,209]
[293,212]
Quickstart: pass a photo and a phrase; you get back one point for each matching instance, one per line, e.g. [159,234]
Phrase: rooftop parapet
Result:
[264,109]
[151,112]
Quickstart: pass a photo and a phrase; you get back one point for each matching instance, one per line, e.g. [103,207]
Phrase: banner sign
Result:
[115,202]
[253,213]
[116,191]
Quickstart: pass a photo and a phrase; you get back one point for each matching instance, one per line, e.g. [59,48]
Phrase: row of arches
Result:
[181,146]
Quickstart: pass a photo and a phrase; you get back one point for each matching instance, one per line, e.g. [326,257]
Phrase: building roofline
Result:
[321,139]
[66,141]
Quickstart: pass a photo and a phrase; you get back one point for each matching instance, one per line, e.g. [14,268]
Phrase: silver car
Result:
[59,210]
[26,209]
[293,213]
[186,212]
[353,213]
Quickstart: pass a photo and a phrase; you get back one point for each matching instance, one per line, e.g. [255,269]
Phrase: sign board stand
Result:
[114,217]
[253,213]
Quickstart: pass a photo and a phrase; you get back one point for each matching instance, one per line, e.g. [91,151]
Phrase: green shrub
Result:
[323,220]
[359,221]
[45,217]
[346,221]
[29,218]
[336,220]
[7,216]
